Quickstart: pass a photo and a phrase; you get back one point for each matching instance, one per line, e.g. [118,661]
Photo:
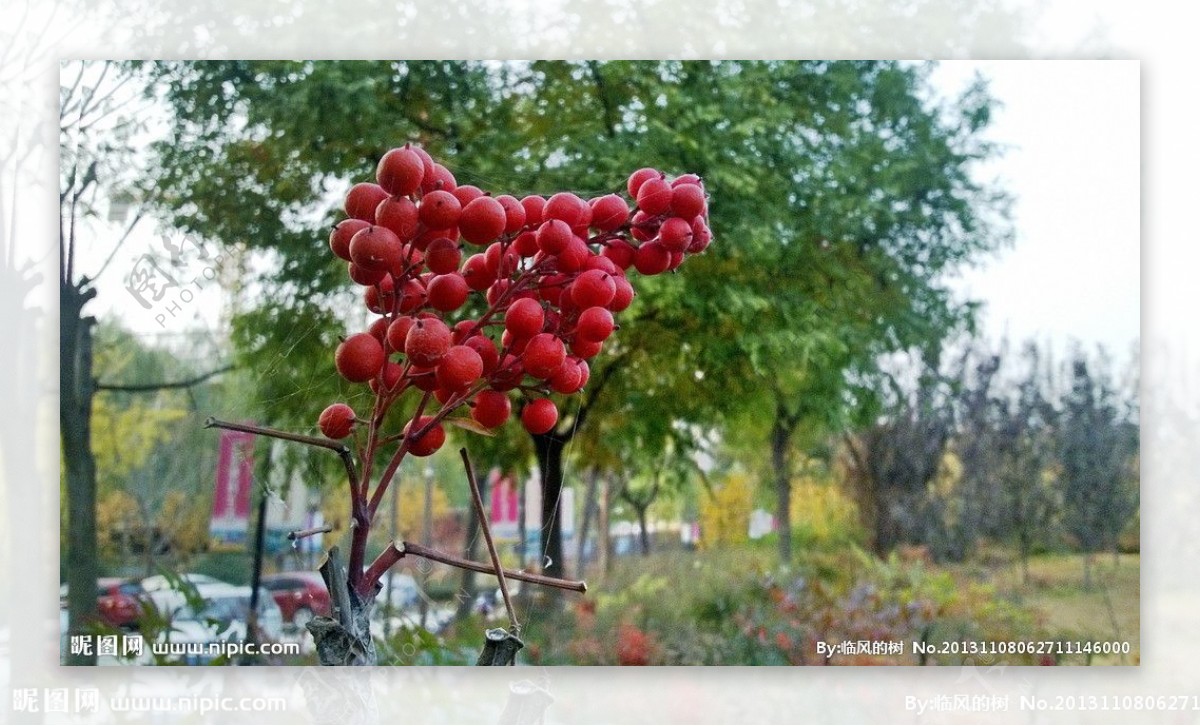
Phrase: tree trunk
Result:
[645,534]
[76,391]
[589,511]
[781,436]
[550,455]
[468,576]
[605,543]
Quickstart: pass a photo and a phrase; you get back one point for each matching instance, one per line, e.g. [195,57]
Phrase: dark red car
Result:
[118,601]
[300,595]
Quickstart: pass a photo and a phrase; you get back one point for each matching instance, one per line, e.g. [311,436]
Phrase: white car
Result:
[221,618]
[155,583]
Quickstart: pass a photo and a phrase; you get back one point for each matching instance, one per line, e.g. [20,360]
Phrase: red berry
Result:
[620,252]
[701,236]
[412,296]
[644,226]
[482,221]
[574,256]
[397,332]
[553,236]
[687,179]
[593,288]
[374,248]
[359,358]
[430,441]
[586,348]
[423,377]
[460,367]
[392,372]
[486,349]
[439,210]
[565,206]
[543,355]
[426,159]
[339,238]
[526,244]
[651,258]
[623,295]
[654,197]
[442,256]
[599,262]
[675,234]
[476,274]
[363,199]
[427,341]
[524,318]
[400,171]
[381,297]
[585,374]
[533,206]
[491,409]
[566,380]
[398,214]
[640,177]
[687,200]
[539,416]
[595,324]
[500,262]
[447,292]
[467,193]
[336,421]
[609,212]
[514,213]
[379,329]
[363,276]
[438,178]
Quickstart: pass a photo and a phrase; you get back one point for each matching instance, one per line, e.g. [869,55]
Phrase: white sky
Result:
[1072,166]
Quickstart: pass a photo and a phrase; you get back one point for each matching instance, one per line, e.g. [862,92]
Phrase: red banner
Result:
[231,499]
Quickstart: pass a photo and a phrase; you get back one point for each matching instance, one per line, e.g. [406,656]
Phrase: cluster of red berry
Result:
[552,271]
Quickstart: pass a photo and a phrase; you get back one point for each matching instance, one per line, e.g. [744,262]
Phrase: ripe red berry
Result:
[654,197]
[380,297]
[623,295]
[595,324]
[339,238]
[424,378]
[524,318]
[379,329]
[508,374]
[363,276]
[651,258]
[397,332]
[460,367]
[574,256]
[438,178]
[566,207]
[675,234]
[482,220]
[543,355]
[447,292]
[599,262]
[500,262]
[427,341]
[526,244]
[609,212]
[476,274]
[585,374]
[701,237]
[336,421]
[359,358]
[400,215]
[566,379]
[428,442]
[486,349]
[533,206]
[593,288]
[687,200]
[514,213]
[553,236]
[442,256]
[374,248]
[467,193]
[491,409]
[586,348]
[412,296]
[439,210]
[363,199]
[400,171]
[539,416]
[620,252]
[392,372]
[640,177]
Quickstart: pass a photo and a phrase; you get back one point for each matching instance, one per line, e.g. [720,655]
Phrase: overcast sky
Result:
[1072,165]
[1072,128]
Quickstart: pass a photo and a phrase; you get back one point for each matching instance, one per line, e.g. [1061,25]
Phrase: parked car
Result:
[403,595]
[299,595]
[119,601]
[155,583]
[220,618]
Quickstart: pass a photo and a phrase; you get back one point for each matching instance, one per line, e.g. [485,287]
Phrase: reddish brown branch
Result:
[396,551]
[335,446]
[477,500]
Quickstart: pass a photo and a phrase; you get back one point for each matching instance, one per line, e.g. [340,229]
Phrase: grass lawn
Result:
[1109,610]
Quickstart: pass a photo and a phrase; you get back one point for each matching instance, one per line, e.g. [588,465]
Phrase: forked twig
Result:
[477,499]
[335,446]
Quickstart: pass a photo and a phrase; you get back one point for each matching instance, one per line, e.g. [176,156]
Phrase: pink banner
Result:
[231,499]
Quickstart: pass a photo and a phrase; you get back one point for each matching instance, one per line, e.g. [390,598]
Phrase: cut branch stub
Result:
[345,638]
